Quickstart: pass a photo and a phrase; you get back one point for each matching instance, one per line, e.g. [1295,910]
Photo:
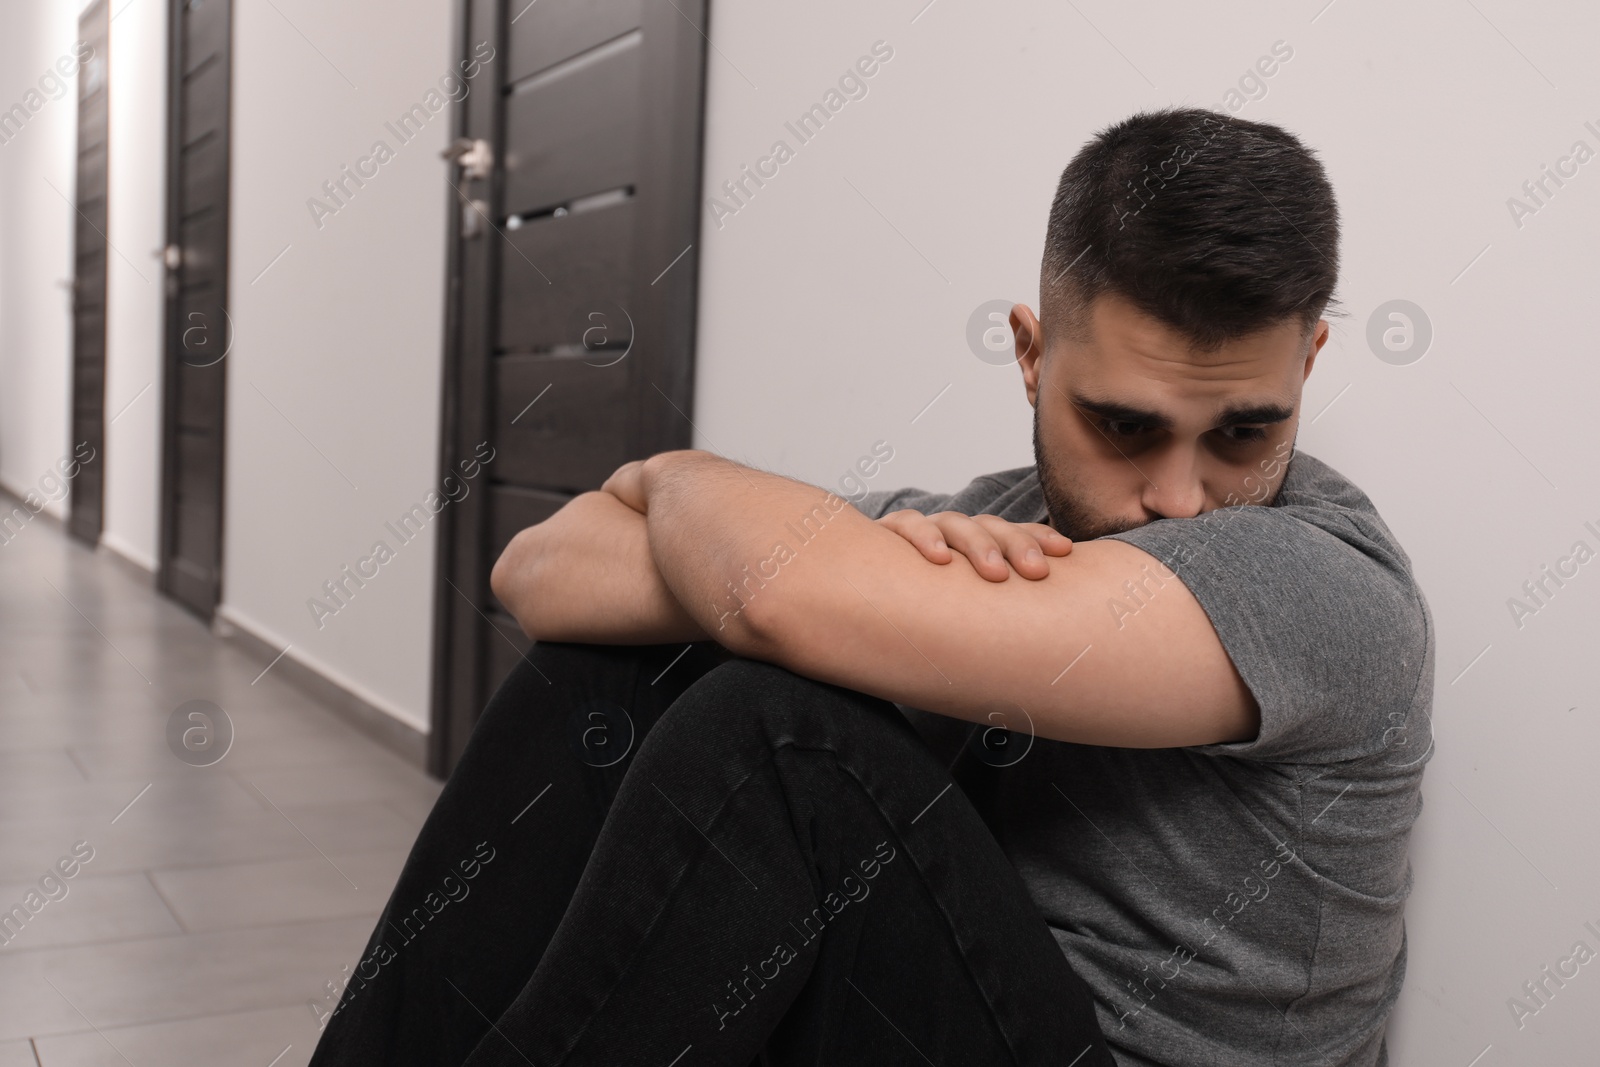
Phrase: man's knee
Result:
[783,706]
[543,664]
[553,673]
[554,682]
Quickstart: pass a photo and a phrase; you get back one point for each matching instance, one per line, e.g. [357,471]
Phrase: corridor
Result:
[216,900]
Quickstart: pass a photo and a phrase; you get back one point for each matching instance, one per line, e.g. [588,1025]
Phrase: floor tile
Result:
[281,891]
[125,983]
[217,900]
[354,782]
[90,908]
[279,1037]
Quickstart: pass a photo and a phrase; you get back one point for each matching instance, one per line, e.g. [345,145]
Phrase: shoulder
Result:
[1318,514]
[1315,493]
[1316,603]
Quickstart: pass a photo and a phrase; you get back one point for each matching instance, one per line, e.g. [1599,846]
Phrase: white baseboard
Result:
[368,712]
[128,552]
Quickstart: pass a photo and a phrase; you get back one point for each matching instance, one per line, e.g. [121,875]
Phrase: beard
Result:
[1069,515]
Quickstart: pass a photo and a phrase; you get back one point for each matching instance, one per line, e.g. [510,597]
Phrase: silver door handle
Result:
[476,157]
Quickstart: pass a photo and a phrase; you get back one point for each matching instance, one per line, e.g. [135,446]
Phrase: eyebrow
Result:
[1234,414]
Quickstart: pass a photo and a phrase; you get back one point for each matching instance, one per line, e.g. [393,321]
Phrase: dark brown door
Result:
[198,332]
[86,515]
[575,195]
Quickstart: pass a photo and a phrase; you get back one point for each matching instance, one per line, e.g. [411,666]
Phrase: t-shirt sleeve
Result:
[1323,622]
[879,502]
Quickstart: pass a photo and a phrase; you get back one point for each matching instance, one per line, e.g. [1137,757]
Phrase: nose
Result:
[1173,488]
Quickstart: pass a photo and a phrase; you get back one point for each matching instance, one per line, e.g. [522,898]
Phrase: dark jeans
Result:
[707,860]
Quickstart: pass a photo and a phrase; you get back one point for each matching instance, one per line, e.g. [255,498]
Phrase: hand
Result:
[627,485]
[630,483]
[987,541]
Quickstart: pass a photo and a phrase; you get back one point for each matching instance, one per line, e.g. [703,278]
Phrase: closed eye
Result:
[1122,427]
[1128,428]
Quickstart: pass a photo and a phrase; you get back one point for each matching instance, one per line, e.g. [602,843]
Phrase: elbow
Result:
[751,627]
[500,576]
[512,578]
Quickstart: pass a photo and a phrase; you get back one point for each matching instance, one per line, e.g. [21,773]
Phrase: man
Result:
[1167,690]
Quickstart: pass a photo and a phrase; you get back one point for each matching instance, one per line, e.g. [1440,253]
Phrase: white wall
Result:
[137,180]
[333,387]
[36,248]
[831,315]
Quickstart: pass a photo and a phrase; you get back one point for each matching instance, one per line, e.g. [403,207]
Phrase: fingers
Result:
[1047,537]
[1017,544]
[982,548]
[991,544]
[921,531]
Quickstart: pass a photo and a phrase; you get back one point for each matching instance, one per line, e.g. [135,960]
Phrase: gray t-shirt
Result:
[1239,904]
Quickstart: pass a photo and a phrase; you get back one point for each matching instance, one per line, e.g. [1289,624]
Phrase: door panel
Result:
[574,132]
[205,95]
[205,168]
[204,240]
[199,397]
[197,514]
[545,34]
[198,332]
[92,176]
[565,271]
[573,436]
[90,322]
[562,351]
[207,22]
[93,108]
[202,336]
[513,508]
[86,505]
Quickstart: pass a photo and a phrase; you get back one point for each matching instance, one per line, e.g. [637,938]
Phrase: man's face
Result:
[1135,425]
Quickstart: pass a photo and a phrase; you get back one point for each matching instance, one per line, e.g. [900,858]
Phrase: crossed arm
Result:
[687,546]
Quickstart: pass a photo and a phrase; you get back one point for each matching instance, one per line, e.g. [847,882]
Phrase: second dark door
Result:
[198,332]
[575,195]
[90,246]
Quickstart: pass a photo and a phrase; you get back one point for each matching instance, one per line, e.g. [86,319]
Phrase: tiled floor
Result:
[219,899]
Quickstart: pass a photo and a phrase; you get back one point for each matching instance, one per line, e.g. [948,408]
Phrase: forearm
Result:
[586,574]
[720,532]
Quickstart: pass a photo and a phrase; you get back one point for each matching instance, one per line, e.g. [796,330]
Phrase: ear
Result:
[1029,337]
[1318,339]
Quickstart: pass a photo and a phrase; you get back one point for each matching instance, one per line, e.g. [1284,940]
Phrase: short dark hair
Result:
[1214,225]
